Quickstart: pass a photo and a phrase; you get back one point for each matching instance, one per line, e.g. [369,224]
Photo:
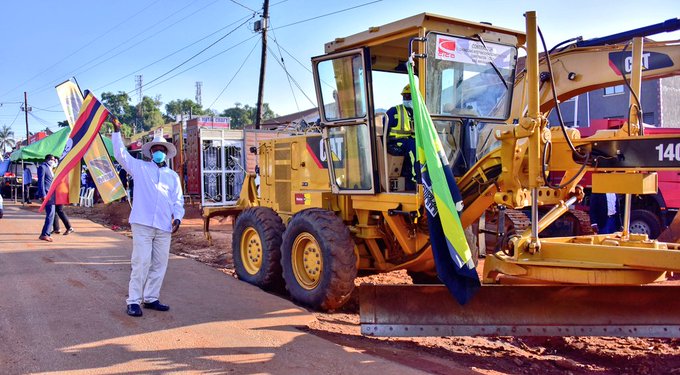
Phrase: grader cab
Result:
[332,200]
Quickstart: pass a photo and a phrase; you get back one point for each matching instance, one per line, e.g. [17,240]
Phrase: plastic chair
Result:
[87,201]
[83,194]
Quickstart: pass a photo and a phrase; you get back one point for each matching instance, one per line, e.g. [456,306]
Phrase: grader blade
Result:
[521,310]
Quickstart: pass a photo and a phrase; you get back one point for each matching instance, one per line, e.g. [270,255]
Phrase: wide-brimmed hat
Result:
[159,140]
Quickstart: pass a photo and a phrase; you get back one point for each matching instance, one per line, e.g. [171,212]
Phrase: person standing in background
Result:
[604,213]
[45,177]
[28,178]
[60,214]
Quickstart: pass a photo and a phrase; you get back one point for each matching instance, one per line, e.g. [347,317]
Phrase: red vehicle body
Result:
[649,213]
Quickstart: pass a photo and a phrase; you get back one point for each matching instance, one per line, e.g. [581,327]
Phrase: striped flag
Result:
[86,129]
[99,163]
[452,255]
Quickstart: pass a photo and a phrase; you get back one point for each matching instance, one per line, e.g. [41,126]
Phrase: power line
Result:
[46,110]
[201,62]
[329,14]
[81,48]
[285,70]
[201,51]
[75,71]
[234,76]
[239,4]
[48,125]
[296,60]
[293,79]
[169,55]
[15,117]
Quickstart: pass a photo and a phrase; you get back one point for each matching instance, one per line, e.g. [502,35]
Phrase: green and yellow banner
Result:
[452,255]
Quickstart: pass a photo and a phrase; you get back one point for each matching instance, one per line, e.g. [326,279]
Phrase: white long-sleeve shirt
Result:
[157,191]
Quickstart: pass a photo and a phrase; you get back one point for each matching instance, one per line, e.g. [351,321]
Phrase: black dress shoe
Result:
[134,310]
[156,305]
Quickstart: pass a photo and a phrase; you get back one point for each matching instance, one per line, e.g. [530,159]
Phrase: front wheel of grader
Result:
[318,259]
[256,247]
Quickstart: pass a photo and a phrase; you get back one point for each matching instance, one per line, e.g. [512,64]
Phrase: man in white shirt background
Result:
[157,212]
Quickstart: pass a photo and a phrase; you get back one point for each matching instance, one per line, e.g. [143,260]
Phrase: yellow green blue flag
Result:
[452,255]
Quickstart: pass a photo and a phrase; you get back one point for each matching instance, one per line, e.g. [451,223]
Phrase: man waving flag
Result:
[86,129]
[452,255]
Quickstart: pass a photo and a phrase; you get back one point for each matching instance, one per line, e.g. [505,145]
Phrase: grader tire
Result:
[256,247]
[318,260]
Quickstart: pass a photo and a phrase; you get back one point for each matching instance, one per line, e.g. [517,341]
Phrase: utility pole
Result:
[263,63]
[23,183]
[140,113]
[199,100]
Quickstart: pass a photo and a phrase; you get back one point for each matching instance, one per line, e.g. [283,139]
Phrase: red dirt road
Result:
[63,311]
[436,355]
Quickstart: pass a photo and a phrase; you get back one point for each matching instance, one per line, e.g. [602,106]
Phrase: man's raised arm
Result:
[119,151]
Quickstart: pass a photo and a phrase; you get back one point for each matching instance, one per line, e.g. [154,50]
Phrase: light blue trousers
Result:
[150,252]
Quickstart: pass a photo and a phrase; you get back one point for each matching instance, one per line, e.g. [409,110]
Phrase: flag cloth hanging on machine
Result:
[86,129]
[452,255]
[97,158]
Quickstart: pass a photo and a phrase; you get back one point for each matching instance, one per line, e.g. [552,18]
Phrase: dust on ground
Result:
[437,355]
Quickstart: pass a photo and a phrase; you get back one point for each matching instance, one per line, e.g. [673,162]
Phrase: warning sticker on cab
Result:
[469,51]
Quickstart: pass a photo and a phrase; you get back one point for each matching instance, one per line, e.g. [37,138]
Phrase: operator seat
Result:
[389,166]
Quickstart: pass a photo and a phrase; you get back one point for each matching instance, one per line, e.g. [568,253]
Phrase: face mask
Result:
[52,163]
[158,157]
[408,103]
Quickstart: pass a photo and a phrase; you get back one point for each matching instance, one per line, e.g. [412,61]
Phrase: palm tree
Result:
[6,138]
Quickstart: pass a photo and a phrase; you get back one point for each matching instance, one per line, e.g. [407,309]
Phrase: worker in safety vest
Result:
[401,139]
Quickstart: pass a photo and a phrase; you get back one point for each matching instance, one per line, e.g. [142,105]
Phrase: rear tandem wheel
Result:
[318,259]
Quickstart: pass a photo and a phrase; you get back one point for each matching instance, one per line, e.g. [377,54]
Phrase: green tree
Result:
[239,115]
[63,124]
[150,112]
[184,107]
[107,128]
[267,113]
[245,115]
[119,106]
[6,138]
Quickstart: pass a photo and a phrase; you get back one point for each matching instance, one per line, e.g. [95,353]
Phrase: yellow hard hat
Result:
[406,90]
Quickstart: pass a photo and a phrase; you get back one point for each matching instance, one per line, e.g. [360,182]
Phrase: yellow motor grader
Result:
[332,201]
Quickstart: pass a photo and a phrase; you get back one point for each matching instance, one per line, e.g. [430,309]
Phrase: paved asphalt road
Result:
[63,311]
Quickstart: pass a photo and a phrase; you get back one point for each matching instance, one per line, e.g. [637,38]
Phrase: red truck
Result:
[651,213]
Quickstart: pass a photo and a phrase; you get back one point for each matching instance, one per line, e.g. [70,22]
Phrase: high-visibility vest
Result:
[403,128]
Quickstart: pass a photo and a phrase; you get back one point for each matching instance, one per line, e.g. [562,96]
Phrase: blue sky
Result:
[105,44]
